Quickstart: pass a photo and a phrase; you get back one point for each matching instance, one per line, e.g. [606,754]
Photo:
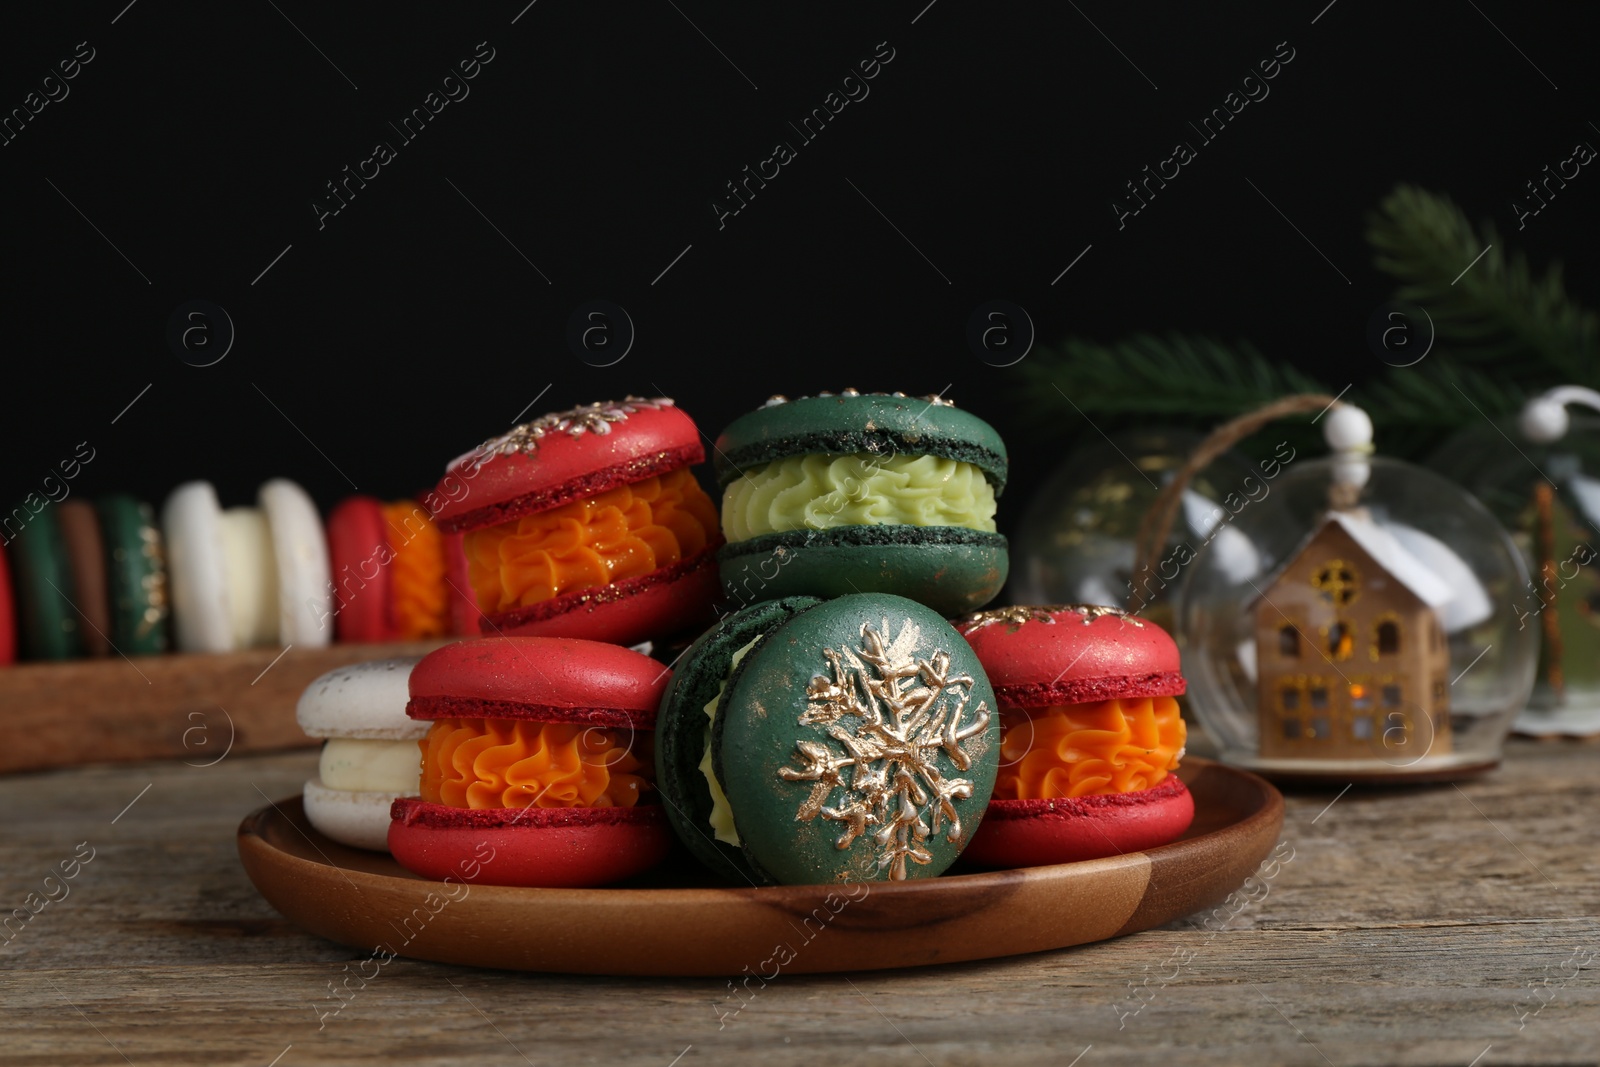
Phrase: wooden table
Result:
[1418,927]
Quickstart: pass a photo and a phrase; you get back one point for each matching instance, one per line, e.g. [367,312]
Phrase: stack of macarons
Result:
[831,725]
[824,723]
[86,580]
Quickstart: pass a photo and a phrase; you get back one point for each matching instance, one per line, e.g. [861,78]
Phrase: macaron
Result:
[862,492]
[538,749]
[247,577]
[1091,735]
[587,523]
[389,571]
[86,555]
[465,617]
[8,614]
[136,575]
[50,627]
[369,755]
[807,741]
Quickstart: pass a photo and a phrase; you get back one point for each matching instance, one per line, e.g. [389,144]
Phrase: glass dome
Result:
[1075,543]
[1548,496]
[1377,641]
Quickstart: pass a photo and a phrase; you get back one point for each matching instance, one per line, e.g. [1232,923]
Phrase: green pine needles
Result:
[1501,334]
[1494,310]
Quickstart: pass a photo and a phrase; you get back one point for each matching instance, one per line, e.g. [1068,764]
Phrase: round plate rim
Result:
[255,848]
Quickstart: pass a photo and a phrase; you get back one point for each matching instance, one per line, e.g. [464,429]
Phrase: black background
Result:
[408,328]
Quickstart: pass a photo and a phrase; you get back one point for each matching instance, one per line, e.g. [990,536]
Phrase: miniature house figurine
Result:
[1360,623]
[1352,661]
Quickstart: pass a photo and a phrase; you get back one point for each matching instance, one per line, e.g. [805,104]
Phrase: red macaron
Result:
[540,755]
[391,573]
[587,523]
[1090,735]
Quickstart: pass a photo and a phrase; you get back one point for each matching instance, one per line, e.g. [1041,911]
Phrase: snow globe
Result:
[1539,475]
[1359,623]
[1076,541]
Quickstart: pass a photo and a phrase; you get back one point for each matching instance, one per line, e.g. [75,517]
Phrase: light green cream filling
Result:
[721,813]
[820,491]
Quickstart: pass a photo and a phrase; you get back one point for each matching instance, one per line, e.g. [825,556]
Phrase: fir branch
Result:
[1493,310]
[1192,380]
[1438,394]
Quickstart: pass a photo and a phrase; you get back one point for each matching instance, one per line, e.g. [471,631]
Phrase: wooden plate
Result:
[675,923]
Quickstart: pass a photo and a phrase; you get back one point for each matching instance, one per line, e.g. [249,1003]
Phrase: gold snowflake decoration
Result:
[892,714]
[1016,614]
[596,418]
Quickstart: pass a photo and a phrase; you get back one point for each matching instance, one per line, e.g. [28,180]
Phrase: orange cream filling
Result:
[1075,750]
[419,606]
[621,533]
[499,763]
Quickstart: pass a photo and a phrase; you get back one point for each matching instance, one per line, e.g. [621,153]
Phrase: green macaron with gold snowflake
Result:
[807,741]
[855,492]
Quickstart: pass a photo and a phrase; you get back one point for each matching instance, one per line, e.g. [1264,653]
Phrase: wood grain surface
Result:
[1438,925]
[187,705]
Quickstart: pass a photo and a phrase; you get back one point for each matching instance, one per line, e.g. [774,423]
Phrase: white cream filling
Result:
[721,812]
[251,574]
[364,765]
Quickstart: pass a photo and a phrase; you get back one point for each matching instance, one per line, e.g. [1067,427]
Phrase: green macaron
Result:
[45,591]
[862,492]
[853,740]
[136,572]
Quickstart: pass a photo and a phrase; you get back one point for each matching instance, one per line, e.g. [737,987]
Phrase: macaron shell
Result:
[191,522]
[665,601]
[542,847]
[80,532]
[1035,833]
[465,617]
[950,569]
[652,438]
[777,713]
[871,423]
[362,700]
[359,819]
[300,551]
[136,568]
[1059,654]
[545,678]
[8,614]
[51,629]
[357,539]
[681,728]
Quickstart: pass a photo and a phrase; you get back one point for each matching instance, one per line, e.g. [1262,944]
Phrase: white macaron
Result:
[300,553]
[370,756]
[247,577]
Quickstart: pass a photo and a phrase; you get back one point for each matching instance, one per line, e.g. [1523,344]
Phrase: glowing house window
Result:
[1340,641]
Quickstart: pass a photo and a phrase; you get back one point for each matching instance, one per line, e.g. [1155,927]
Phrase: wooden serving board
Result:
[194,706]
